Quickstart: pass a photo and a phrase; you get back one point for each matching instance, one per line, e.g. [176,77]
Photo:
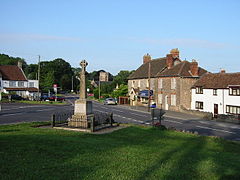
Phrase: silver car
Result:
[110,101]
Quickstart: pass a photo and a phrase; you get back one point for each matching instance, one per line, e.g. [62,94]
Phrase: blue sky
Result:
[114,35]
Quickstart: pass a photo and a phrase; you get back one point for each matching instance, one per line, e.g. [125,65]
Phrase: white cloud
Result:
[33,37]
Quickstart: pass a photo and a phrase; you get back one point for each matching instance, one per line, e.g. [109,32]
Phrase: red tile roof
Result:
[13,73]
[218,80]
[182,69]
[159,69]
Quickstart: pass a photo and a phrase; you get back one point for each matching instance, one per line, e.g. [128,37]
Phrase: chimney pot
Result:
[169,61]
[223,71]
[194,67]
[175,53]
[19,64]
[146,58]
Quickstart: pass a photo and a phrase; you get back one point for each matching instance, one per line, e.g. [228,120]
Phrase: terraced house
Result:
[170,82]
[218,93]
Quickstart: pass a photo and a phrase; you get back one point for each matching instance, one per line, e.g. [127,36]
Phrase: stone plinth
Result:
[82,114]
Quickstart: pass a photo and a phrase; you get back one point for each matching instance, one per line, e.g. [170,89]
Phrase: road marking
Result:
[117,110]
[174,121]
[203,127]
[11,114]
[139,114]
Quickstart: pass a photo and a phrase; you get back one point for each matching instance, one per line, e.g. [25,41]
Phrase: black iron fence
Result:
[96,121]
[61,118]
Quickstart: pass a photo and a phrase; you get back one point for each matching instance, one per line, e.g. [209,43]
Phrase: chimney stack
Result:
[175,53]
[223,71]
[146,58]
[19,64]
[169,61]
[194,67]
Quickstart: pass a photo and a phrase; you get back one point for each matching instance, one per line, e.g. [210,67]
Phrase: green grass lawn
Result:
[44,102]
[130,153]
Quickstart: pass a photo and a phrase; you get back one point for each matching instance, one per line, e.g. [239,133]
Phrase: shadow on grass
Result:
[123,154]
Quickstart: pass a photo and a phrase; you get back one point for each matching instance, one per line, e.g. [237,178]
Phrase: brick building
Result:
[170,82]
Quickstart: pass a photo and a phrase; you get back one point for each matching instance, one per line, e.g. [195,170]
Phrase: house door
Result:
[166,102]
[215,110]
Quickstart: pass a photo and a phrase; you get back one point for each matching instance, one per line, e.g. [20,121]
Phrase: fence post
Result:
[53,120]
[111,119]
[92,123]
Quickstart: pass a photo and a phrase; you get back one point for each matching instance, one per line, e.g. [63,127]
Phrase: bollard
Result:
[111,119]
[53,120]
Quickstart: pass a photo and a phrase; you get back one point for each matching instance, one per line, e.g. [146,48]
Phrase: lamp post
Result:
[99,89]
[149,82]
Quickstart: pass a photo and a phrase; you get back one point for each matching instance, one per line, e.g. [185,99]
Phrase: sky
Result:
[114,35]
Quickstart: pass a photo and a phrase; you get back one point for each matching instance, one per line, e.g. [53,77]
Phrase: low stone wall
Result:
[204,115]
[228,118]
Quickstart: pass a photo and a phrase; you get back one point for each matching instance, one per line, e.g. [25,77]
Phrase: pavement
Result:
[17,113]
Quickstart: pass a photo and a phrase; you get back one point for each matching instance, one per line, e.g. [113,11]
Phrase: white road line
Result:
[117,110]
[173,121]
[139,114]
[203,127]
[12,114]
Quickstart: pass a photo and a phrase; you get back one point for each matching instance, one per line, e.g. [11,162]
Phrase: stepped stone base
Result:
[82,114]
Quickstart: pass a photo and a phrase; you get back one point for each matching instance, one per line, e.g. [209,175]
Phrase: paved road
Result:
[16,113]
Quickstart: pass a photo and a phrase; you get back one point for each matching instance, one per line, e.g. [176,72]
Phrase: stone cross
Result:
[83,91]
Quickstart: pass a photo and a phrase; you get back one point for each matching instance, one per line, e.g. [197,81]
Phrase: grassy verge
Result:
[130,153]
[43,102]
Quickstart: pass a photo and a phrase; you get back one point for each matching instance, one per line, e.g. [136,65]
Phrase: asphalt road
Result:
[17,113]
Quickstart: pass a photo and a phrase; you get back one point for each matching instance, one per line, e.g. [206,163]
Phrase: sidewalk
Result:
[170,114]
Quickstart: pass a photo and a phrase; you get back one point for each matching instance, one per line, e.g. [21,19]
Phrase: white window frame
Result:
[160,83]
[173,99]
[173,83]
[12,84]
[160,96]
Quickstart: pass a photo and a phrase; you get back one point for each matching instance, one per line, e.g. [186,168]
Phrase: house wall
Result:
[222,99]
[33,81]
[182,93]
[141,84]
[165,93]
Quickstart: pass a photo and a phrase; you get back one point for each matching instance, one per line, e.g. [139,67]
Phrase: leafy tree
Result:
[122,91]
[121,77]
[8,60]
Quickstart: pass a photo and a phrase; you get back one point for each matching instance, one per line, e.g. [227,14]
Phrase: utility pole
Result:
[38,78]
[149,82]
[72,84]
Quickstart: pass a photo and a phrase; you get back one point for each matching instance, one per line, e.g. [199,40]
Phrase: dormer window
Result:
[234,90]
[199,90]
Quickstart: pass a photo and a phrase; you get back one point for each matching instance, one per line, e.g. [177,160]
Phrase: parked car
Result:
[59,98]
[44,97]
[110,101]
[16,97]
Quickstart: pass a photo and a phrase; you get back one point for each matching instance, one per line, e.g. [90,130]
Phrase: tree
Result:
[122,91]
[121,77]
[8,60]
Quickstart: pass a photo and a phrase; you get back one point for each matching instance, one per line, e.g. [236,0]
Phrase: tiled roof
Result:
[159,69]
[182,69]
[11,72]
[31,89]
[218,80]
[157,65]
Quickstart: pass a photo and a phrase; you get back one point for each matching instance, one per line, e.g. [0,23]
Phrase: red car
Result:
[59,98]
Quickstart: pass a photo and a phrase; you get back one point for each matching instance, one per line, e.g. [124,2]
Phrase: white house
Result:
[13,80]
[217,93]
